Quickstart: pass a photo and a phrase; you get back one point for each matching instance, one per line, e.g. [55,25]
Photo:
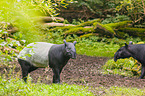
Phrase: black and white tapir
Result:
[41,54]
[137,51]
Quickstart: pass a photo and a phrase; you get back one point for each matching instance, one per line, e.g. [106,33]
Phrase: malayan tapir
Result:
[137,51]
[42,54]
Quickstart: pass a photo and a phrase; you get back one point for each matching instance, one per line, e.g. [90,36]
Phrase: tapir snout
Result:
[115,56]
[73,55]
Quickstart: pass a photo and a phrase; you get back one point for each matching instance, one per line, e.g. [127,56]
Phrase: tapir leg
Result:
[56,75]
[26,68]
[142,72]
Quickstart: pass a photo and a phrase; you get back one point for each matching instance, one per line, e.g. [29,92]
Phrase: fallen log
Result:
[111,29]
[119,24]
[50,19]
[53,24]
[79,30]
[104,30]
[135,32]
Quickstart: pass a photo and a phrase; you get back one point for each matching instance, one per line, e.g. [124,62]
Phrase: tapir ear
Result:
[74,42]
[130,42]
[65,42]
[126,46]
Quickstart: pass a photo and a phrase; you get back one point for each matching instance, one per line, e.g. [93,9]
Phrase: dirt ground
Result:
[84,70]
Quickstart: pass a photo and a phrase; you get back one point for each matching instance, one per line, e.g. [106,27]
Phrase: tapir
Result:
[42,54]
[137,51]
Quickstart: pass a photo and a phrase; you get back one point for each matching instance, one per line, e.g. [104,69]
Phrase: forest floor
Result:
[84,70]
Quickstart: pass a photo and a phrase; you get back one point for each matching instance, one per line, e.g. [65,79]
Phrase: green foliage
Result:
[118,18]
[15,87]
[21,14]
[95,5]
[87,35]
[89,46]
[75,22]
[78,29]
[24,15]
[119,91]
[55,37]
[107,30]
[133,8]
[89,23]
[124,67]
[135,32]
[10,49]
[118,24]
[133,29]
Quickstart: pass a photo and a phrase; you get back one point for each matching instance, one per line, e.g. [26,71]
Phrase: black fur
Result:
[137,51]
[26,68]
[58,58]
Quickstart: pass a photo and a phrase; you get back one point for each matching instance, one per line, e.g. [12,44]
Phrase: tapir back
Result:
[36,53]
[138,49]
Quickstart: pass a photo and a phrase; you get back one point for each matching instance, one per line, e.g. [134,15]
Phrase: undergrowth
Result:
[96,49]
[120,91]
[124,67]
[16,87]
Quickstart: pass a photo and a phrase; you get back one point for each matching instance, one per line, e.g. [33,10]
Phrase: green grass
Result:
[119,91]
[97,49]
[15,87]
[123,91]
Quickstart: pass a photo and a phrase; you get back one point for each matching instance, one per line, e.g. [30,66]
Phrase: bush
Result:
[118,18]
[125,67]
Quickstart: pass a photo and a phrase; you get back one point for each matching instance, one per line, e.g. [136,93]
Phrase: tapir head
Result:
[70,49]
[123,52]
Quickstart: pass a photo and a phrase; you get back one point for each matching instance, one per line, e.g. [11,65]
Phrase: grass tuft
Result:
[15,87]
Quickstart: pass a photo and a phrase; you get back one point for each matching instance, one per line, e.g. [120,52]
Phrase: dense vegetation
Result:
[17,87]
[105,28]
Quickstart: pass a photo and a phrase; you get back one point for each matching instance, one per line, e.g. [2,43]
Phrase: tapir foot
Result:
[141,77]
[56,82]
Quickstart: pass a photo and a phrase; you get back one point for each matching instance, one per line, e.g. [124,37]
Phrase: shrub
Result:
[125,67]
[118,18]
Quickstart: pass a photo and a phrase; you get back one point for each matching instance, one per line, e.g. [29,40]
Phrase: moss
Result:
[89,23]
[140,43]
[104,29]
[109,29]
[118,24]
[120,34]
[79,30]
[87,35]
[140,30]
[62,28]
[75,28]
[135,32]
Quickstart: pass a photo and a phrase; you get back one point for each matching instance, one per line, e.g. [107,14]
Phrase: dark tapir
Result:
[137,51]
[41,54]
